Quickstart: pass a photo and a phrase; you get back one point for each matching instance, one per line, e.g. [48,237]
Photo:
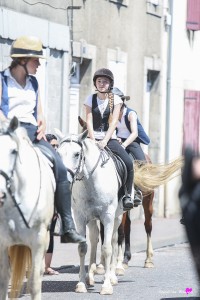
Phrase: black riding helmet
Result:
[104,73]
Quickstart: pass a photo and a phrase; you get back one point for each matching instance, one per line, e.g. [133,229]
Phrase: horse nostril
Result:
[2,195]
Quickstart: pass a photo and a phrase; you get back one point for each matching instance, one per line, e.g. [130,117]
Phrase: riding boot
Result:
[137,197]
[63,205]
[127,200]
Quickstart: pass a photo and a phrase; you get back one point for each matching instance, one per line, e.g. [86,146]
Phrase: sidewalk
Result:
[165,232]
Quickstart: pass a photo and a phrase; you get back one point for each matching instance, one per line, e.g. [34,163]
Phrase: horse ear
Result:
[83,135]
[14,124]
[82,123]
[59,134]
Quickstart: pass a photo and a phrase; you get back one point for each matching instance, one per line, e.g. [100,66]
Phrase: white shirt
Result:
[102,104]
[22,101]
[122,130]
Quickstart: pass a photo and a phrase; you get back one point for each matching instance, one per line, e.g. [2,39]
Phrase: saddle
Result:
[119,165]
[47,153]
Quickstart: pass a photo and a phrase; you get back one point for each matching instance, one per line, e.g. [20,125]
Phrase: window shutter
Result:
[191,120]
[193,15]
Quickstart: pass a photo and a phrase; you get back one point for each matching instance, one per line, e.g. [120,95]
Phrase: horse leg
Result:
[38,251]
[4,273]
[116,261]
[82,250]
[100,270]
[120,267]
[127,232]
[108,223]
[94,238]
[148,211]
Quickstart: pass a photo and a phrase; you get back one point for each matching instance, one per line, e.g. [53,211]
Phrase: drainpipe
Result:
[168,100]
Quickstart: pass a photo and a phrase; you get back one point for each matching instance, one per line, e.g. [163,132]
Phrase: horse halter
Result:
[102,155]
[81,160]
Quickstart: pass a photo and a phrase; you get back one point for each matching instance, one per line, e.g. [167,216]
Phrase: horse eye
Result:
[14,151]
[77,155]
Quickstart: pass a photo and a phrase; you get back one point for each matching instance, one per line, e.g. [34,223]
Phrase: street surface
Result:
[173,277]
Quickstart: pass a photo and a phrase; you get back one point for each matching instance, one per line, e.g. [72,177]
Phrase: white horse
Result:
[95,197]
[27,188]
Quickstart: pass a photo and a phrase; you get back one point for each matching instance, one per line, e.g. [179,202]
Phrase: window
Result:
[193,15]
[154,2]
[153,8]
[191,121]
[120,2]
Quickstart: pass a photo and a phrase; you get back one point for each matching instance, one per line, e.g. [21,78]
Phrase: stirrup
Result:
[138,197]
[127,202]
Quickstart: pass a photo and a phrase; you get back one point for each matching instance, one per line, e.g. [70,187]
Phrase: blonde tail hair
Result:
[150,176]
[20,260]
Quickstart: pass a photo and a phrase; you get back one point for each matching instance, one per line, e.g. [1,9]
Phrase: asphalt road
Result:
[173,277]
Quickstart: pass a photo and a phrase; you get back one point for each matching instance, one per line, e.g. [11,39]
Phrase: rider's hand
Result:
[102,144]
[119,140]
[41,130]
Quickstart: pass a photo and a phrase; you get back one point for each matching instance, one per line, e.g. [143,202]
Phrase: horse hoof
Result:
[90,282]
[100,270]
[125,265]
[80,288]
[114,281]
[119,271]
[149,265]
[106,290]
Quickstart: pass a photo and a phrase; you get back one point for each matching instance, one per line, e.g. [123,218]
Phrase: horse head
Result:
[14,167]
[9,149]
[71,151]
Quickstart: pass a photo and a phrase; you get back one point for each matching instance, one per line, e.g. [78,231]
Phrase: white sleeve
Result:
[117,100]
[88,101]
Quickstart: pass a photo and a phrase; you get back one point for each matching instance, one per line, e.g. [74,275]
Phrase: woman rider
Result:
[131,133]
[20,98]
[102,114]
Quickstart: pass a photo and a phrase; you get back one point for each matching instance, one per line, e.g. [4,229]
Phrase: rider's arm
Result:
[113,124]
[2,116]
[40,120]
[132,117]
[89,122]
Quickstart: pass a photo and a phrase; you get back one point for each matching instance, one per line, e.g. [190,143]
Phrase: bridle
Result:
[75,175]
[11,189]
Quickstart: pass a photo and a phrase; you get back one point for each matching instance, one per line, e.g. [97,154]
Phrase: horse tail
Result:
[150,176]
[20,260]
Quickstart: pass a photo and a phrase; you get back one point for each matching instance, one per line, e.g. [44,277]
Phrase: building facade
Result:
[131,37]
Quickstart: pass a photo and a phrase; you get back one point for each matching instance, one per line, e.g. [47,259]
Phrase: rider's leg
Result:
[116,148]
[137,153]
[63,203]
